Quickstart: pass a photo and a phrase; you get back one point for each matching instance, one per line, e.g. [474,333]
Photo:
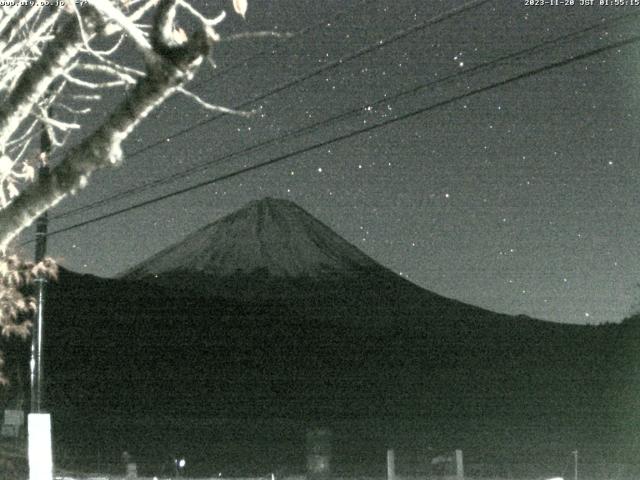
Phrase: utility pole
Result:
[41,290]
[39,423]
[575,465]
[391,464]
[459,465]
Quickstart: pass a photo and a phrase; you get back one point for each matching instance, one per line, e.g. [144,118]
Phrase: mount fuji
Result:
[271,236]
[273,252]
[270,248]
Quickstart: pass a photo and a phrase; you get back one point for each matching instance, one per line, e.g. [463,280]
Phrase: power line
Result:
[335,64]
[328,66]
[341,116]
[349,135]
[240,64]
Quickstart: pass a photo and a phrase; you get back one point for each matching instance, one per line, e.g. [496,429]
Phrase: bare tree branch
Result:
[112,13]
[213,108]
[172,67]
[15,24]
[251,35]
[35,81]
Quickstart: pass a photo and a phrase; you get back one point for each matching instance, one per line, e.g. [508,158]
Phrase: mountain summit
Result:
[271,236]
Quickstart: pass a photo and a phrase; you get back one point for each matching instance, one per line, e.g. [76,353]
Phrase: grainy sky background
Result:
[522,198]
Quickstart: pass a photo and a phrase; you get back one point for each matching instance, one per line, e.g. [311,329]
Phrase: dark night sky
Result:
[520,199]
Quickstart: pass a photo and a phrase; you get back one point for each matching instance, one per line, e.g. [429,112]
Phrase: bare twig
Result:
[251,35]
[214,108]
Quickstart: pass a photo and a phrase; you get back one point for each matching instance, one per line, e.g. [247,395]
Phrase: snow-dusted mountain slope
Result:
[269,235]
